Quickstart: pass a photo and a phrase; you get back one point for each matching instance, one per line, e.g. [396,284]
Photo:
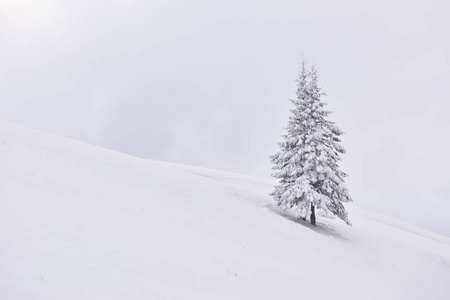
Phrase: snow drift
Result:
[82,222]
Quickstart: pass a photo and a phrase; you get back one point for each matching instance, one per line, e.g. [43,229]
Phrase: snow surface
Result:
[82,222]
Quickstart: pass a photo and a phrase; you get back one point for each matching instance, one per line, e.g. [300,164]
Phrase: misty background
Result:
[208,83]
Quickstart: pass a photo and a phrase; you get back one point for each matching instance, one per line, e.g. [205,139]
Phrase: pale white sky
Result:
[207,83]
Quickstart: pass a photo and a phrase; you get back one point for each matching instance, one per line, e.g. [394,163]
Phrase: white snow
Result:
[82,222]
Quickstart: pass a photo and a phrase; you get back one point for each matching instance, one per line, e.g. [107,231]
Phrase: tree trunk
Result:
[313,215]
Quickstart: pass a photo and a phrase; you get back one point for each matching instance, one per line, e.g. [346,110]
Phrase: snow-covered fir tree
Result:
[307,163]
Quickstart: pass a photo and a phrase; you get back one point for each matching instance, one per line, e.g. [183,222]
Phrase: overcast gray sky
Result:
[207,83]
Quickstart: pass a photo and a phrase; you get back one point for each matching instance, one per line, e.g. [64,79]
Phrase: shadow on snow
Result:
[319,228]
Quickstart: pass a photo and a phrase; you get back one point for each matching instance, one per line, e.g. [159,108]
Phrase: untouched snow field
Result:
[82,222]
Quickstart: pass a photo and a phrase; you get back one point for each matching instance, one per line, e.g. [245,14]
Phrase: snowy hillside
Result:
[82,222]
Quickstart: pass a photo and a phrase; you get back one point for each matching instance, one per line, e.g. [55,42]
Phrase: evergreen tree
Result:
[307,163]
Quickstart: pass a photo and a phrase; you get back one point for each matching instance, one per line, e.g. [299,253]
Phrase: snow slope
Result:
[82,222]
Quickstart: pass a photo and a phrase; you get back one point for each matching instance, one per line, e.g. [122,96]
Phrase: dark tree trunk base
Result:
[313,215]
